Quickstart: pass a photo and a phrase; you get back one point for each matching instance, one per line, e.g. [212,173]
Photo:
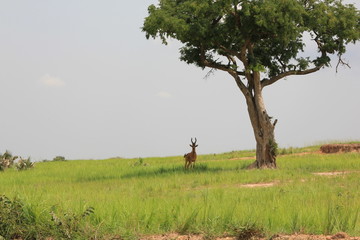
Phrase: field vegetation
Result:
[128,198]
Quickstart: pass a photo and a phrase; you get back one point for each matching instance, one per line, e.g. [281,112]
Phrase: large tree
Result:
[258,42]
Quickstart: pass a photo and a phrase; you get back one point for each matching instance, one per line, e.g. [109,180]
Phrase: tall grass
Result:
[160,196]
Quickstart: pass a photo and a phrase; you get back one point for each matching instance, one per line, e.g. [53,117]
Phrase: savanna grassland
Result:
[128,198]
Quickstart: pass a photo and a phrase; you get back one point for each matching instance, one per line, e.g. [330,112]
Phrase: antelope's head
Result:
[193,144]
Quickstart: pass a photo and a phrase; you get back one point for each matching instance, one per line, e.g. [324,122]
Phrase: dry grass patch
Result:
[259,185]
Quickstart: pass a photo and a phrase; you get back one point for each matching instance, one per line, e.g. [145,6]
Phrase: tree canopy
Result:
[265,35]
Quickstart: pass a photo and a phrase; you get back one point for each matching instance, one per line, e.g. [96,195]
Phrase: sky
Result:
[79,79]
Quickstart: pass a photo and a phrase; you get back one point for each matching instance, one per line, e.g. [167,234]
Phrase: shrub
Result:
[70,225]
[18,221]
[15,219]
[24,164]
[59,158]
[250,232]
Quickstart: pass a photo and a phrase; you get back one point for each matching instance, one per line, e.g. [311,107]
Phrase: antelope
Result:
[190,157]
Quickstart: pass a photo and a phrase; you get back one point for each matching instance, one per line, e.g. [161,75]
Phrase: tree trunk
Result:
[265,153]
[266,146]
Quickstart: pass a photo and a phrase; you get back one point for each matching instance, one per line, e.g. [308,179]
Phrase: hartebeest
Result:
[190,157]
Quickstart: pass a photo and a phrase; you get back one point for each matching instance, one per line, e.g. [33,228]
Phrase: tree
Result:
[257,42]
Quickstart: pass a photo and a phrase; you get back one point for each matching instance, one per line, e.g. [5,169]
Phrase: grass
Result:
[132,197]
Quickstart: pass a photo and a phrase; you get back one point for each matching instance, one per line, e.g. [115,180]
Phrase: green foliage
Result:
[70,225]
[274,149]
[59,158]
[15,219]
[213,31]
[19,221]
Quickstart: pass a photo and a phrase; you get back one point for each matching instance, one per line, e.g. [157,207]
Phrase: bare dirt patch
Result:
[335,173]
[175,236]
[339,236]
[332,173]
[339,148]
[258,185]
[248,185]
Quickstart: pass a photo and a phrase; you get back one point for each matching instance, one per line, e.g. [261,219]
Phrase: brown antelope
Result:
[190,157]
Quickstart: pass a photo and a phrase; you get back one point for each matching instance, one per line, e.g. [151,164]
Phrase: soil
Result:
[175,236]
[337,148]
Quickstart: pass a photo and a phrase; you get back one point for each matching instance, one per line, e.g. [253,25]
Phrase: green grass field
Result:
[133,197]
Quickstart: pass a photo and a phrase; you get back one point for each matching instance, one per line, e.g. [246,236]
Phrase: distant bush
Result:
[59,158]
[140,162]
[24,164]
[7,160]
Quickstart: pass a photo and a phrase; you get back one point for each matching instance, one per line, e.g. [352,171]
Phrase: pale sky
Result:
[79,79]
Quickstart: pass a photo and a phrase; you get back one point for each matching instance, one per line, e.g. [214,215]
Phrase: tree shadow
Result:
[162,171]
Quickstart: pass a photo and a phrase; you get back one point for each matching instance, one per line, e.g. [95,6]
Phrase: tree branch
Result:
[341,61]
[231,59]
[240,73]
[272,80]
[241,86]
[229,51]
[215,21]
[242,55]
[266,82]
[211,71]
[212,64]
[219,66]
[234,73]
